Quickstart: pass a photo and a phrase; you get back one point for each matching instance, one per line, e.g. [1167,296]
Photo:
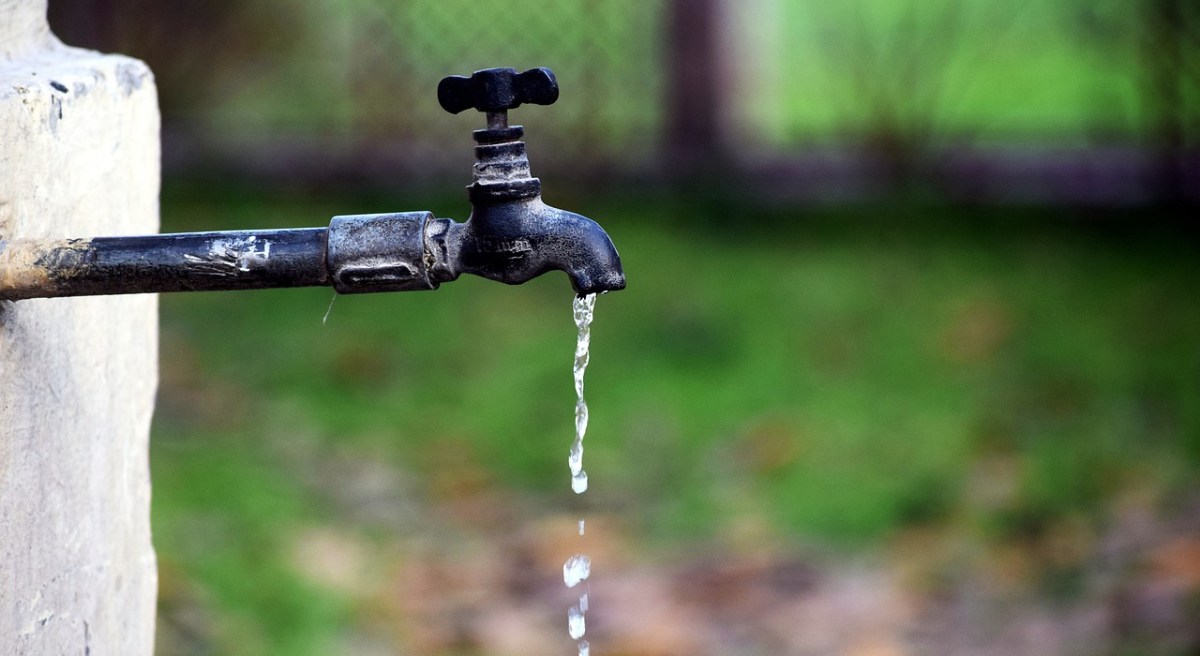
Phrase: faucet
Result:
[511,236]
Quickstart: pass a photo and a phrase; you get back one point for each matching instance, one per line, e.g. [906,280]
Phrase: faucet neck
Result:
[502,167]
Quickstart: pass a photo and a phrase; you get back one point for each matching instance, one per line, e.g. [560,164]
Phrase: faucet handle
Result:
[497,90]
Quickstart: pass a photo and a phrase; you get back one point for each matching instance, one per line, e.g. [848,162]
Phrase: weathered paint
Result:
[193,261]
[228,255]
[30,267]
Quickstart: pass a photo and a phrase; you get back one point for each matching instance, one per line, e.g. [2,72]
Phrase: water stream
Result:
[579,567]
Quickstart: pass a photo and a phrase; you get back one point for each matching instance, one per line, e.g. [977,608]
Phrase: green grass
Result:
[223,514]
[839,375]
[1034,69]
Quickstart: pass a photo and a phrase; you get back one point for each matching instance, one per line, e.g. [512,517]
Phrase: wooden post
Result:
[79,156]
[695,88]
[1168,32]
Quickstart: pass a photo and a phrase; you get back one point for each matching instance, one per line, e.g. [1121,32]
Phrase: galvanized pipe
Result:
[384,252]
[194,261]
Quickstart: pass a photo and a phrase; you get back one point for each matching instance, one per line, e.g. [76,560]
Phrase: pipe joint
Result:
[380,253]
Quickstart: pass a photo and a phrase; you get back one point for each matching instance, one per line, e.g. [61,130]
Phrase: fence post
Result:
[79,156]
[696,102]
[1168,40]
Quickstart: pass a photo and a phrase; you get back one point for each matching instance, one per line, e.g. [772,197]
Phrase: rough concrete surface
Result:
[79,156]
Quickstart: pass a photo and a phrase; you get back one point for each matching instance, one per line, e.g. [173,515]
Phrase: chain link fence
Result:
[320,82]
[865,95]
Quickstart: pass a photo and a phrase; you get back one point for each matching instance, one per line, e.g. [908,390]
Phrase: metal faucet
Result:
[511,235]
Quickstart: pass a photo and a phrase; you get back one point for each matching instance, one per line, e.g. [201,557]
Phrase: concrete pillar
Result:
[79,156]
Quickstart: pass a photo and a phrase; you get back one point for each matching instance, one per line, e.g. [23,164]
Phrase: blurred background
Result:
[909,361]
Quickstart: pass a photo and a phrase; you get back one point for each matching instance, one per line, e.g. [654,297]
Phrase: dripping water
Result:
[579,567]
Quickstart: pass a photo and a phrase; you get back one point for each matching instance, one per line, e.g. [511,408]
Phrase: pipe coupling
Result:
[380,253]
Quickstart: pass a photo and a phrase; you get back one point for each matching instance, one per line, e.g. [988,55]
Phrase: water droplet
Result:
[576,569]
[579,482]
[584,648]
[575,623]
[583,602]
[581,525]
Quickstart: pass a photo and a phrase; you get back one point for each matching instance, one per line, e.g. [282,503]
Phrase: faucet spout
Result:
[516,240]
[511,235]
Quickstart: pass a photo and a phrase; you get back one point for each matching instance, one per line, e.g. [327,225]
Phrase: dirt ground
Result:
[478,575]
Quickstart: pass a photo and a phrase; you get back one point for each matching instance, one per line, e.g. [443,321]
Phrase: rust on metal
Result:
[30,268]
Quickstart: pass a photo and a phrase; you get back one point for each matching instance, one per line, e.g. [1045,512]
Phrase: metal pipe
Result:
[357,253]
[194,261]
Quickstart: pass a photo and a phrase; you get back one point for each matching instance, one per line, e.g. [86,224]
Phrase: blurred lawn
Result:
[833,375]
